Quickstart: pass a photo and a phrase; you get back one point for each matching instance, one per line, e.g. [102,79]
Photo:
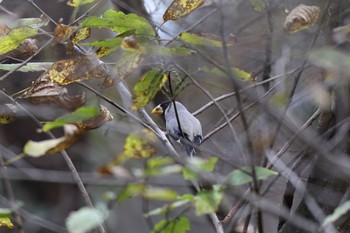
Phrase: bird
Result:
[190,126]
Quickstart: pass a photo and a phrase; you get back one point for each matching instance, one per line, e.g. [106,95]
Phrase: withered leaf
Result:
[137,145]
[80,34]
[181,8]
[62,33]
[44,91]
[77,69]
[96,121]
[301,17]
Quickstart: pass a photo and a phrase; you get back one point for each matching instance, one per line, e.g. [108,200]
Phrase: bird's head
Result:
[160,109]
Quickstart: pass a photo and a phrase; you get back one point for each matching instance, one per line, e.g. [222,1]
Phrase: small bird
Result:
[190,125]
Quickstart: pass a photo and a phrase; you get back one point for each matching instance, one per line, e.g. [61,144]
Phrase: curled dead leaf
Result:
[97,121]
[44,91]
[130,42]
[181,8]
[301,17]
[77,69]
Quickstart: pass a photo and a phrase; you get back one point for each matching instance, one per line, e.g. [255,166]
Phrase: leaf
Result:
[14,38]
[76,3]
[331,59]
[146,89]
[258,5]
[62,32]
[37,149]
[138,145]
[8,113]
[181,8]
[95,122]
[155,193]
[77,69]
[179,225]
[120,23]
[127,63]
[34,23]
[338,212]
[44,91]
[29,67]
[81,114]
[208,201]
[161,166]
[239,73]
[85,219]
[196,165]
[184,200]
[301,17]
[80,34]
[242,176]
[5,212]
[199,40]
[168,52]
[6,222]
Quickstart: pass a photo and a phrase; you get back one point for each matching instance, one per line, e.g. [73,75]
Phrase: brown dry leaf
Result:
[44,91]
[62,33]
[181,8]
[77,69]
[97,121]
[301,17]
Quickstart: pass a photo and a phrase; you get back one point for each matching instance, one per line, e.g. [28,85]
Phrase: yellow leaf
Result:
[181,8]
[138,145]
[6,222]
[77,69]
[301,17]
[147,87]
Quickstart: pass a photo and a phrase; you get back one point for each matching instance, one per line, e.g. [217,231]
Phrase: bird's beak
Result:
[157,110]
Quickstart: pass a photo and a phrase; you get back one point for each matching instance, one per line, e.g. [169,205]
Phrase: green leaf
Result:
[6,222]
[81,114]
[242,176]
[331,59]
[338,212]
[258,5]
[161,166]
[197,165]
[29,67]
[178,225]
[146,89]
[163,194]
[184,200]
[207,201]
[239,73]
[194,39]
[148,192]
[14,38]
[37,149]
[85,219]
[120,23]
[76,3]
[131,190]
[5,212]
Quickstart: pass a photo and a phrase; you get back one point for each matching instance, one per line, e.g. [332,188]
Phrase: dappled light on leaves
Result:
[147,87]
[181,8]
[44,91]
[77,69]
[301,17]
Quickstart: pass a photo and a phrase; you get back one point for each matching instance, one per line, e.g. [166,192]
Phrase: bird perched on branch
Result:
[185,126]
